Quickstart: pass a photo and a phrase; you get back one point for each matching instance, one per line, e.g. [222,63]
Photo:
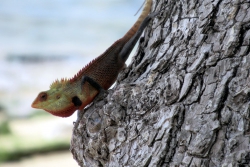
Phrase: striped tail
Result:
[134,28]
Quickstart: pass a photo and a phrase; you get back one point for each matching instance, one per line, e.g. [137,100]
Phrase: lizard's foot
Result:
[100,96]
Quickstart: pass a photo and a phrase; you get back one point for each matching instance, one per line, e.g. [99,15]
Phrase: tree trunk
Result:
[184,100]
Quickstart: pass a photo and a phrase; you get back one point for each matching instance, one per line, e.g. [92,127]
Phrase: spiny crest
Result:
[80,73]
[58,83]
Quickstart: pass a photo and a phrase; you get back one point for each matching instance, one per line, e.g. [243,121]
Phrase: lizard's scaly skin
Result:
[65,96]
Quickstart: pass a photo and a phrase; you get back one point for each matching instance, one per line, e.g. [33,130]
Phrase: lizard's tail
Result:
[134,28]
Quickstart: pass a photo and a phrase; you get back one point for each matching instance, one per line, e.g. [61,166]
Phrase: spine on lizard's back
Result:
[134,28]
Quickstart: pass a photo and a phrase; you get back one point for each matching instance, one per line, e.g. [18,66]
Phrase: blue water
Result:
[62,26]
[79,29]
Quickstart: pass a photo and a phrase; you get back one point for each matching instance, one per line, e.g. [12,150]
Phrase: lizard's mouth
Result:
[60,113]
[34,104]
[65,112]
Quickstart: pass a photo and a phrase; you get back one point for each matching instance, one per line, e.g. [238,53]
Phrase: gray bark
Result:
[184,100]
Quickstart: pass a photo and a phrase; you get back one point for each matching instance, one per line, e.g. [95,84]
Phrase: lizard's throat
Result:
[65,112]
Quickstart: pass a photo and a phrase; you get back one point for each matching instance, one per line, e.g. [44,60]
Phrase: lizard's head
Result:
[56,102]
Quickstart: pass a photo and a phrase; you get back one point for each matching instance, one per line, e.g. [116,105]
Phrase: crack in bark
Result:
[210,128]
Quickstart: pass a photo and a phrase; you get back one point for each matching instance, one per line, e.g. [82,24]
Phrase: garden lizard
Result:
[65,96]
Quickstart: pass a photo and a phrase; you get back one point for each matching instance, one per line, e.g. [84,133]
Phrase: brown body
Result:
[67,95]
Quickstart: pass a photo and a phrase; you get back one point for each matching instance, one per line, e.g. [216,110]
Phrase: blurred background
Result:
[40,41]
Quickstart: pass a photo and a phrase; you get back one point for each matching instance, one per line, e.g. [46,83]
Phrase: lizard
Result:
[65,96]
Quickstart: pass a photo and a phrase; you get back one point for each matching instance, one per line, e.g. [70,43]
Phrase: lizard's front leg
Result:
[96,85]
[98,97]
[91,82]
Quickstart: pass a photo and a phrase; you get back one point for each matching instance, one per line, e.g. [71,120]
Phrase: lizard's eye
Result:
[58,96]
[43,96]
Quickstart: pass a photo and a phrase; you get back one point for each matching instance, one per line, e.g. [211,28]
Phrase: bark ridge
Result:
[184,101]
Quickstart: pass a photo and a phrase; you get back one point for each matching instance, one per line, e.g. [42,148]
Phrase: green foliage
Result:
[18,153]
[4,128]
[17,142]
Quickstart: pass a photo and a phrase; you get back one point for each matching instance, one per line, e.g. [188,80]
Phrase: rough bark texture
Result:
[184,101]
